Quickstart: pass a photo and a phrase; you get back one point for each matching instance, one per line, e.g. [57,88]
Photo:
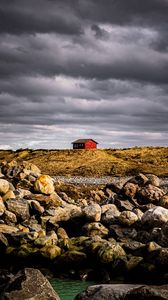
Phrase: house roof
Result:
[83,141]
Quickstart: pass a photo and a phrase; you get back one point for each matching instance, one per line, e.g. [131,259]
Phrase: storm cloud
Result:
[83,68]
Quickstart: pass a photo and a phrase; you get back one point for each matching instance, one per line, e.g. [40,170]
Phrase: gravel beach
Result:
[78,180]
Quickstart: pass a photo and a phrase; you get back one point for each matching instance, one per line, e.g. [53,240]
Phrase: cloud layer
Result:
[83,68]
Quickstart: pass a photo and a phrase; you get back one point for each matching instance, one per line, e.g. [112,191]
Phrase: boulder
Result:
[47,240]
[133,247]
[9,195]
[129,190]
[139,179]
[106,292]
[20,171]
[2,207]
[138,212]
[153,179]
[115,187]
[51,251]
[35,206]
[119,232]
[163,236]
[148,293]
[127,218]
[62,233]
[66,213]
[71,259]
[44,184]
[154,217]
[8,229]
[110,215]
[109,252]
[29,284]
[9,217]
[92,212]
[164,201]
[52,200]
[112,207]
[95,228]
[150,194]
[124,205]
[4,186]
[161,260]
[19,207]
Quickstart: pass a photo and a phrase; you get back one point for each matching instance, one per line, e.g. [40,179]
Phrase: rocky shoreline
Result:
[118,231]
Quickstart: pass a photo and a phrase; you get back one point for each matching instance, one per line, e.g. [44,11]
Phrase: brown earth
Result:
[100,162]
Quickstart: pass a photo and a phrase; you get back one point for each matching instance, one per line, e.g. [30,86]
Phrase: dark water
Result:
[68,289]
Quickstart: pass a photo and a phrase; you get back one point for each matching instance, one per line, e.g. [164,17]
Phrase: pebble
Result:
[100,180]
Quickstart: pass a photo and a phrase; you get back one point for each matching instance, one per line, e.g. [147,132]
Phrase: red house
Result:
[84,144]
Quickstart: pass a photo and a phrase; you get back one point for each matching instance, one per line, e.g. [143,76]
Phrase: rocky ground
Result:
[115,231]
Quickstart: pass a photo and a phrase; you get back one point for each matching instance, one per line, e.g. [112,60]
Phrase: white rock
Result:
[156,216]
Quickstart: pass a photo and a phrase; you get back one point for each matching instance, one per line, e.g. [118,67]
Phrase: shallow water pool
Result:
[68,289]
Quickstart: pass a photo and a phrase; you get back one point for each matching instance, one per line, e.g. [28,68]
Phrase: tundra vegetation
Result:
[100,162]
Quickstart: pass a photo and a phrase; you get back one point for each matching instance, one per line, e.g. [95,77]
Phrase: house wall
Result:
[79,146]
[90,145]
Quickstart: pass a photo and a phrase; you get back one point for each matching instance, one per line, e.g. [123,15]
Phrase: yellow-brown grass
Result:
[103,162]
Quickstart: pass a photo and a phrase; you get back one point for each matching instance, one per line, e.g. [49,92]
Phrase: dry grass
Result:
[105,162]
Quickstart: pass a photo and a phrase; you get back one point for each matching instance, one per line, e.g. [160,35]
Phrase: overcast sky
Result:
[74,69]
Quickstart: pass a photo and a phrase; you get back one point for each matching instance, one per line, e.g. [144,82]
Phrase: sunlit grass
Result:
[103,162]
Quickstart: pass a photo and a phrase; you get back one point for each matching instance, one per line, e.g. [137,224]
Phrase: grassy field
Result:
[103,162]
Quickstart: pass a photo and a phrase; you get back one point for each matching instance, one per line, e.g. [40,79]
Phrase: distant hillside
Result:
[105,162]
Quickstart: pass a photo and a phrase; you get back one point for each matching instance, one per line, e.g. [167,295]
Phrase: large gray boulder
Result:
[106,292]
[157,216]
[124,292]
[29,284]
[148,293]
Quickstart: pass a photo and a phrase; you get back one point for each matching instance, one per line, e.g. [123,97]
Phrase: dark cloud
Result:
[22,16]
[71,68]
